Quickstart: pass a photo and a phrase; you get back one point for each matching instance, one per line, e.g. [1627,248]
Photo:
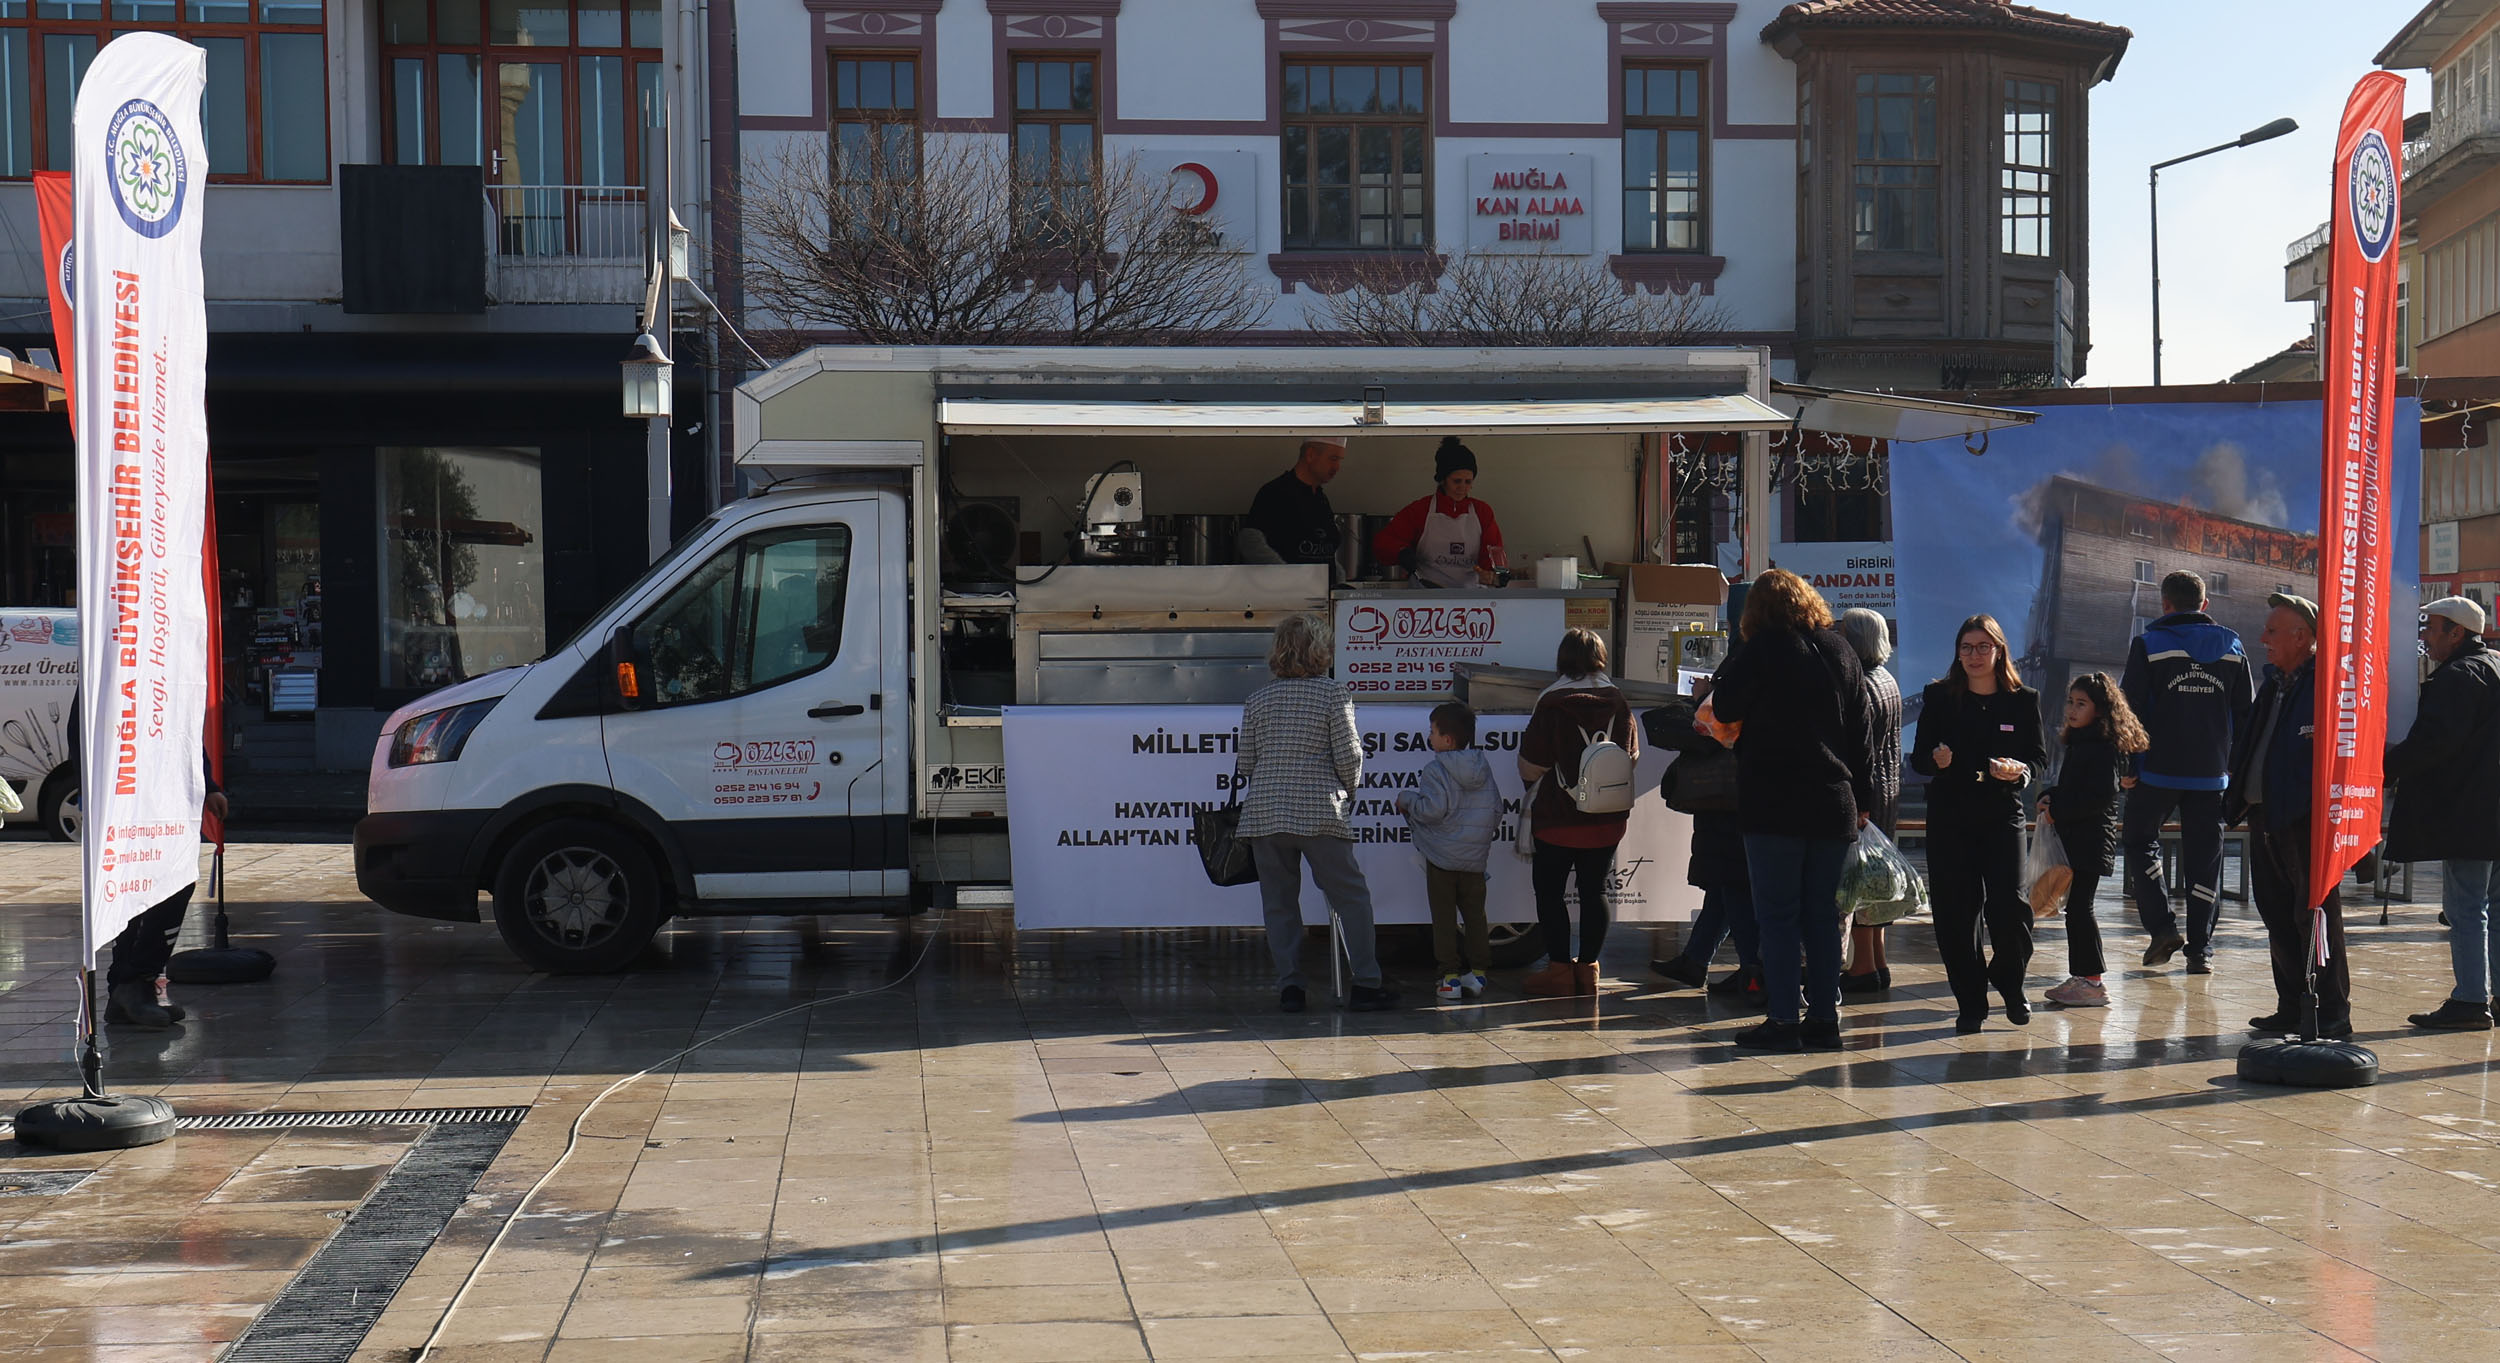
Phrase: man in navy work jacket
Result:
[2270,772]
[2187,678]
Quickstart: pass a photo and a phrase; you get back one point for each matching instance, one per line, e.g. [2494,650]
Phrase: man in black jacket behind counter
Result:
[2271,768]
[1290,520]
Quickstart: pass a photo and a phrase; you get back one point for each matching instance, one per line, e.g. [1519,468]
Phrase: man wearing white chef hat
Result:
[1290,520]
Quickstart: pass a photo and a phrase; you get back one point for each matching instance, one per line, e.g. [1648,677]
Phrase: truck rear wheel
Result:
[577,897]
[58,806]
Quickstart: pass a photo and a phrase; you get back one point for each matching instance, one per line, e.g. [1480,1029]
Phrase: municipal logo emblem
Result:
[67,266]
[146,168]
[2372,184]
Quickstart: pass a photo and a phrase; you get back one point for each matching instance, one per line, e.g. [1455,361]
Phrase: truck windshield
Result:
[663,564]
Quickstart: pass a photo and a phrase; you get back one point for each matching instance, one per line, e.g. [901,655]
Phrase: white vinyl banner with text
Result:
[142,348]
[1100,799]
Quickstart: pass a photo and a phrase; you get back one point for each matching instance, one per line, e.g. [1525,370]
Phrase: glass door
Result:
[525,168]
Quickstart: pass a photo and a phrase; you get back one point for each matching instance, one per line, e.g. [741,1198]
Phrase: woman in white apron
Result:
[1447,539]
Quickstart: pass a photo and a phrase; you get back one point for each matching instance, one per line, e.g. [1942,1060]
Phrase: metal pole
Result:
[2153,178]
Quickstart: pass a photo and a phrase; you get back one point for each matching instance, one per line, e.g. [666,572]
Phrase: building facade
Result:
[431,226]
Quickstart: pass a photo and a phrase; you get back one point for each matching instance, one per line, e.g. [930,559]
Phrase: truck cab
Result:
[730,735]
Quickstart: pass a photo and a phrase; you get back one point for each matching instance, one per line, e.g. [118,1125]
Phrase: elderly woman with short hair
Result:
[1871,636]
[1301,760]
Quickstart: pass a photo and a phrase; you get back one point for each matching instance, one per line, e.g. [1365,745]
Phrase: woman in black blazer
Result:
[1979,745]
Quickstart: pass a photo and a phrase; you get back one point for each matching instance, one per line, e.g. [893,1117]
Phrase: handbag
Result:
[1221,848]
[8,799]
[1701,783]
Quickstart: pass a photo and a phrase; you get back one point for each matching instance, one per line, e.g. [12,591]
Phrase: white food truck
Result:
[38,697]
[951,638]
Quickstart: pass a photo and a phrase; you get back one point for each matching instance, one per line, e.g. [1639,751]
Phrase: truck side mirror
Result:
[626,670]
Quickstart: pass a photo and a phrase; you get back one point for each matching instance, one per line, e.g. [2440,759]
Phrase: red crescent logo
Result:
[1207,192]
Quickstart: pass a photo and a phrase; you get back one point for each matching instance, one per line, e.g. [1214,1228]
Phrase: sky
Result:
[2200,72]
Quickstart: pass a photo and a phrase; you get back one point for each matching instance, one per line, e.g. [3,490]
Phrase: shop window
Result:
[1357,140]
[1895,170]
[463,566]
[550,93]
[761,612]
[2027,188]
[1666,158]
[265,114]
[1056,146]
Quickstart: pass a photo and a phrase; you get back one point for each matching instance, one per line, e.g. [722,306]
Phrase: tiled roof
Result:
[1996,14]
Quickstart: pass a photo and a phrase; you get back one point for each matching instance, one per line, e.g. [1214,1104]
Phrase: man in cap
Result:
[2270,770]
[2447,803]
[1290,520]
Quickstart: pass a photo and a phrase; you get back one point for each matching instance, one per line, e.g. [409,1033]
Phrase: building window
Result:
[2144,572]
[2027,187]
[549,97]
[1357,156]
[876,118]
[1666,168]
[2218,584]
[464,585]
[1896,166]
[1805,123]
[265,114]
[1057,149]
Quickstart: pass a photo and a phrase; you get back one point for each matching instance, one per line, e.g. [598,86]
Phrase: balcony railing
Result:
[574,222]
[2466,120]
[2309,245]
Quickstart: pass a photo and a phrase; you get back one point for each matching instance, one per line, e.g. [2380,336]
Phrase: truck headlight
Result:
[437,735]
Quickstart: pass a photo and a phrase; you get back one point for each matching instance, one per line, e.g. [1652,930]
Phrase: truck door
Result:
[768,708]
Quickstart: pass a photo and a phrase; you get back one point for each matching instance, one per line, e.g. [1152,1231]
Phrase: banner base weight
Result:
[2295,1063]
[75,1125]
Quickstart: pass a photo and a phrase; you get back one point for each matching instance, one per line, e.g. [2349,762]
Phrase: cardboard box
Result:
[1659,601]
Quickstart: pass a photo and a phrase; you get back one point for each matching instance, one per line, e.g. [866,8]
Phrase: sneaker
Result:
[1822,1035]
[2017,1010]
[2160,952]
[1366,998]
[1772,1035]
[1291,999]
[1682,971]
[2199,965]
[1739,981]
[165,1000]
[1560,979]
[1472,983]
[1450,989]
[2078,992]
[2455,1015]
[134,1002]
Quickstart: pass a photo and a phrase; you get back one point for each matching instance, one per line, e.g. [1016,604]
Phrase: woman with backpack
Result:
[1803,788]
[1576,758]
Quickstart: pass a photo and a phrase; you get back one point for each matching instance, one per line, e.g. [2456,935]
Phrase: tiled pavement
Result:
[1109,1146]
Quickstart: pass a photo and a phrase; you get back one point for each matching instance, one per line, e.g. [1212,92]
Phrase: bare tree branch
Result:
[1510,300]
[950,241]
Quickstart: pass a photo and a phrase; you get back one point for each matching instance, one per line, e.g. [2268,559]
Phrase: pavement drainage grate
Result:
[47,1183]
[325,1313]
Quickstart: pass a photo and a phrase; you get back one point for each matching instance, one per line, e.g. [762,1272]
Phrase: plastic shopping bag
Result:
[1878,885]
[2046,876]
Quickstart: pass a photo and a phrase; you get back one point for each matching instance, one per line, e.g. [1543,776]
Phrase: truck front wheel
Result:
[577,897]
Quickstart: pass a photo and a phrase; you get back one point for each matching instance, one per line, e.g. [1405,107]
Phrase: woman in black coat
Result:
[1794,688]
[1979,745]
[1717,869]
[2101,733]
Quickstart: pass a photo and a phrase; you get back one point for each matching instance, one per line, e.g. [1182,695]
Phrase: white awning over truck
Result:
[1601,416]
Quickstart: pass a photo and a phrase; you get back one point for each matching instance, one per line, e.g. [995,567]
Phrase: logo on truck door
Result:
[765,771]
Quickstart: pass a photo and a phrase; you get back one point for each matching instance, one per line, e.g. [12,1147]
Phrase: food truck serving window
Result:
[760,612]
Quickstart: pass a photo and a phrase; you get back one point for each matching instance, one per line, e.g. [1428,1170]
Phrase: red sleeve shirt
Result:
[1399,535]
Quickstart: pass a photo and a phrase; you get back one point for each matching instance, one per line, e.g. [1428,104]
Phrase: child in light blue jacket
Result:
[1455,813]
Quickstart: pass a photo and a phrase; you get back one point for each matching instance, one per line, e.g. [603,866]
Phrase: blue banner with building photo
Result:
[2064,529]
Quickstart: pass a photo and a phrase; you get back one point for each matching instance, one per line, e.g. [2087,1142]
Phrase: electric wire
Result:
[573,1137]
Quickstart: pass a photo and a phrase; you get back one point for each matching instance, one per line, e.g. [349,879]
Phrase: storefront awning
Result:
[1890,416]
[1609,416]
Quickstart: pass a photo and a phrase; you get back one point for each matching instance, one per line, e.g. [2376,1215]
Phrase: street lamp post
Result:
[2250,138]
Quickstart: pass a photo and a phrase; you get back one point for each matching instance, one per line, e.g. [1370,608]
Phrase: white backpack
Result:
[1605,784]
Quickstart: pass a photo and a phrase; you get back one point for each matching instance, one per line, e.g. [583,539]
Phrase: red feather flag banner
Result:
[2354,540]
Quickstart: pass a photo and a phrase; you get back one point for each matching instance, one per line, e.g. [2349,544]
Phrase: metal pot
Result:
[1207,539]
[1354,545]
